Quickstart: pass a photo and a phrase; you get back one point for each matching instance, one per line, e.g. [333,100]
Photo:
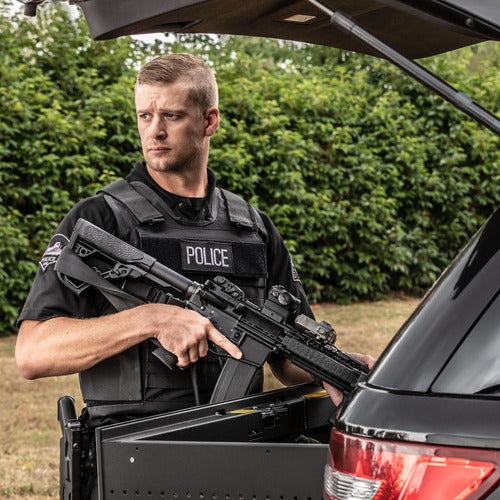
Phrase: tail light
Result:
[370,469]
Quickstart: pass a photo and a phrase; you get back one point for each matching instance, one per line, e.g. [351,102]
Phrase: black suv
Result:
[426,423]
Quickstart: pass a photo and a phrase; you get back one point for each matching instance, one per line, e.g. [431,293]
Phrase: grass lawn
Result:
[29,430]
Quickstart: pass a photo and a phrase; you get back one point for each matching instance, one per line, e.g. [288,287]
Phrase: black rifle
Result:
[96,258]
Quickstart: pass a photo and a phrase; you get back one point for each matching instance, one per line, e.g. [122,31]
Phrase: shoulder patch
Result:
[295,274]
[51,254]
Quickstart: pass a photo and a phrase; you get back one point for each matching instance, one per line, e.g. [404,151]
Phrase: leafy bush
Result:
[67,128]
[374,182]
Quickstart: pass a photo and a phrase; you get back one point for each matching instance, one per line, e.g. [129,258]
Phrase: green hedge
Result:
[374,182]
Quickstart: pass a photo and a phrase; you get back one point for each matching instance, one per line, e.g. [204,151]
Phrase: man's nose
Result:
[158,127]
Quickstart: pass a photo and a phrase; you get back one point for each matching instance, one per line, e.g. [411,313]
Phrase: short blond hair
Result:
[170,68]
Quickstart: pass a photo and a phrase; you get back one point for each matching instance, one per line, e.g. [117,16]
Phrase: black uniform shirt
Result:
[50,298]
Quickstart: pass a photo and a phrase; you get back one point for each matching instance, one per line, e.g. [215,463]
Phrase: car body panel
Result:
[433,28]
[485,9]
[433,419]
[438,381]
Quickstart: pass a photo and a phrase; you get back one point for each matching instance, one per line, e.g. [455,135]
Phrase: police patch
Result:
[207,256]
[51,254]
[295,274]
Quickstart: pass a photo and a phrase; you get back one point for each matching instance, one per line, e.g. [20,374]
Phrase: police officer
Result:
[169,206]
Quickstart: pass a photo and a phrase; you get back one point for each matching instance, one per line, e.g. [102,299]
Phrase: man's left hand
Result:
[337,395]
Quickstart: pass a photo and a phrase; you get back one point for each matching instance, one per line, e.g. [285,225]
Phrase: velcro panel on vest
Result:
[245,259]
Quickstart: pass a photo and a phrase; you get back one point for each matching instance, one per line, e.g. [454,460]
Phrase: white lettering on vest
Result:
[202,256]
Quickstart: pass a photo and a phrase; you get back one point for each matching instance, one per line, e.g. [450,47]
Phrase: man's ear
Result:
[211,120]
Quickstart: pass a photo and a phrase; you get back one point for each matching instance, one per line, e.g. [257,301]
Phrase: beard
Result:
[174,162]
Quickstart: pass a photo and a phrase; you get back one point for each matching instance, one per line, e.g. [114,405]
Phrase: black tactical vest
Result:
[227,237]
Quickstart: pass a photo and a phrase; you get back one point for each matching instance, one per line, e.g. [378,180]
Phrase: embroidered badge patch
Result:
[295,274]
[207,256]
[56,245]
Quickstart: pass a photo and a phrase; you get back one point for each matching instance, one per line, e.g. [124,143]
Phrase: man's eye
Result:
[171,116]
[144,116]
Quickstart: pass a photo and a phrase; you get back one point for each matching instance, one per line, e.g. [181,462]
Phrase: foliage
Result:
[59,93]
[373,181]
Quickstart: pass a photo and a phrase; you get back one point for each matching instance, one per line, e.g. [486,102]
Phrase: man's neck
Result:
[186,184]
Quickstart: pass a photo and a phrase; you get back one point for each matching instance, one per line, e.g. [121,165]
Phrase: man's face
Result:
[173,129]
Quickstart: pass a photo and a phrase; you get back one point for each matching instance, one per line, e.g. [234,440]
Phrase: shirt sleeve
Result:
[281,268]
[49,297]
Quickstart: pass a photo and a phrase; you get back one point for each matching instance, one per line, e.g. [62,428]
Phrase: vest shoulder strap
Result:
[140,207]
[238,210]
[242,214]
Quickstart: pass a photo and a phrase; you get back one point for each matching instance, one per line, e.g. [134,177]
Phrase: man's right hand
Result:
[186,333]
